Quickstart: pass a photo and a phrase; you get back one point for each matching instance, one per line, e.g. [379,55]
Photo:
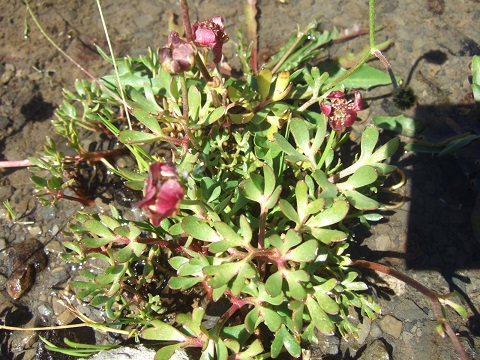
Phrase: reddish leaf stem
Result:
[432,295]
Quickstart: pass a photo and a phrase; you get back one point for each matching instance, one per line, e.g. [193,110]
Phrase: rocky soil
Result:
[429,237]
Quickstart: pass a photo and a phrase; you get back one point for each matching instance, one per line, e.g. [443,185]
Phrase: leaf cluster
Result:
[266,219]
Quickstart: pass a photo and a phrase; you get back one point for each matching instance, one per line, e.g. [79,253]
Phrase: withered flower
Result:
[210,33]
[178,56]
[340,111]
[163,193]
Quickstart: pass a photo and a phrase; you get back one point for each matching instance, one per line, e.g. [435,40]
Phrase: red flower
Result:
[178,55]
[210,33]
[340,111]
[163,193]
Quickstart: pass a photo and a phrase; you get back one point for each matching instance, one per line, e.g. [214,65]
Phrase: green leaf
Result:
[238,333]
[213,116]
[167,352]
[283,338]
[327,304]
[40,182]
[141,101]
[287,148]
[273,285]
[328,236]
[148,120]
[286,242]
[294,279]
[254,349]
[360,201]
[476,77]
[362,177]
[271,318]
[97,228]
[329,216]
[108,221]
[253,187]
[247,271]
[246,229]
[128,251]
[177,261]
[162,332]
[369,140]
[399,124]
[252,320]
[194,103]
[138,137]
[199,229]
[366,77]
[319,317]
[458,143]
[301,135]
[222,274]
[55,183]
[304,252]
[269,180]
[183,283]
[264,80]
[289,211]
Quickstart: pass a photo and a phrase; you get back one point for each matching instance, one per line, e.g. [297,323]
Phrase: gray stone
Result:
[408,310]
[127,353]
[375,331]
[375,351]
[23,340]
[391,326]
[329,345]
[3,244]
[364,327]
[58,276]
[45,310]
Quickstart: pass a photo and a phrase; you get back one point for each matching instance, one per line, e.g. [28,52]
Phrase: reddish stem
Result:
[186,20]
[432,295]
[15,163]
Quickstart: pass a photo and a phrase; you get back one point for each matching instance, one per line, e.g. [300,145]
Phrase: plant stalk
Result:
[431,295]
[69,58]
[251,13]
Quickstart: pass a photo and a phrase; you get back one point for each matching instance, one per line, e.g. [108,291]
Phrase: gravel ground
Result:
[429,237]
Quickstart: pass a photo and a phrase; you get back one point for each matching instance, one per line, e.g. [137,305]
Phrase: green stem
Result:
[373,48]
[250,14]
[371,10]
[69,58]
[110,48]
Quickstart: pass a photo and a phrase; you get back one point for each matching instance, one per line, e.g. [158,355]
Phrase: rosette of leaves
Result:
[265,222]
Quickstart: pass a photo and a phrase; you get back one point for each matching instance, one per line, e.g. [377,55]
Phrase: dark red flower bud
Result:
[178,56]
[163,193]
[210,33]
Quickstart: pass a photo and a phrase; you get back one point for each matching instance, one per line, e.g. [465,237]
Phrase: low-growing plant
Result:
[251,189]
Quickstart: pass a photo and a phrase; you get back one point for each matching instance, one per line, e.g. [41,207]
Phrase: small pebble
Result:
[3,244]
[65,318]
[58,276]
[391,326]
[34,230]
[45,310]
[375,351]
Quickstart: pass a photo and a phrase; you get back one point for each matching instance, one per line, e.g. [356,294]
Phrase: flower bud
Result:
[210,33]
[178,56]
[163,193]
